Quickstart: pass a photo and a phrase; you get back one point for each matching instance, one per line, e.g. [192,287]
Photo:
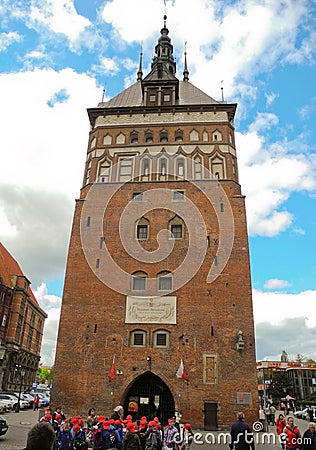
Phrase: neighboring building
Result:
[136,316]
[301,378]
[21,327]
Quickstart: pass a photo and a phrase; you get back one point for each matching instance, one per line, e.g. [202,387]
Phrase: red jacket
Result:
[280,424]
[292,436]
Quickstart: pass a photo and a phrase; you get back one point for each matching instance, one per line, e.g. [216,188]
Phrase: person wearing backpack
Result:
[153,441]
[101,436]
[64,440]
[79,438]
[131,440]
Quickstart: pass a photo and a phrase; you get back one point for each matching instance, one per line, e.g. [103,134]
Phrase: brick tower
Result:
[157,309]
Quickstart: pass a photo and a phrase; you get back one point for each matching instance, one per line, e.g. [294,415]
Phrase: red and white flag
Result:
[181,373]
[112,371]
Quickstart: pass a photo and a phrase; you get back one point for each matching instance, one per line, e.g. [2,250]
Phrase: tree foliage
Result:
[45,375]
[279,386]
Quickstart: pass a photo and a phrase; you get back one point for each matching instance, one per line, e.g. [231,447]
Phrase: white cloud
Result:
[269,173]
[7,39]
[51,305]
[275,283]
[274,307]
[230,42]
[270,98]
[45,148]
[60,17]
[284,322]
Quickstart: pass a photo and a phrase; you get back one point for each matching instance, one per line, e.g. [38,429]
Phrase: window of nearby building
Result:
[161,338]
[166,98]
[138,338]
[139,281]
[152,98]
[180,167]
[145,167]
[177,231]
[178,136]
[209,369]
[104,172]
[198,168]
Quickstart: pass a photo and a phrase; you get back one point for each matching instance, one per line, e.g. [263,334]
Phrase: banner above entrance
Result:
[151,310]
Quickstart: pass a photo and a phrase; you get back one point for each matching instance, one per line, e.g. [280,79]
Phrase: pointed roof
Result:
[10,268]
[132,96]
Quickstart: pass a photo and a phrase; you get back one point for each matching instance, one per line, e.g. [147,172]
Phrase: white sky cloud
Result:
[60,17]
[275,283]
[7,39]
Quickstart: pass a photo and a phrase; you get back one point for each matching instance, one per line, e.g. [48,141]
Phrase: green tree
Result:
[279,386]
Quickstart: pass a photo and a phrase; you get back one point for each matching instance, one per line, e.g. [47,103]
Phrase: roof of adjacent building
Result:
[9,268]
[132,96]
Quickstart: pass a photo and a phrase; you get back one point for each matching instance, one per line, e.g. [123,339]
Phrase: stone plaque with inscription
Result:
[151,310]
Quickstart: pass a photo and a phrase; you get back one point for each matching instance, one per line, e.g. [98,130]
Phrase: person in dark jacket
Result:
[241,436]
[131,440]
[309,438]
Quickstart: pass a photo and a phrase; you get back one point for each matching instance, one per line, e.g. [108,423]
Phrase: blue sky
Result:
[55,59]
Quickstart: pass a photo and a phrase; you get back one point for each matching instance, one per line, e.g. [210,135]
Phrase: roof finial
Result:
[140,69]
[165,15]
[222,89]
[185,72]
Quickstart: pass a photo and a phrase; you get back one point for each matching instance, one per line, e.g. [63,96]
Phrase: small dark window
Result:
[101,242]
[142,231]
[161,339]
[138,339]
[178,196]
[137,196]
[88,221]
[176,230]
[222,207]
[97,263]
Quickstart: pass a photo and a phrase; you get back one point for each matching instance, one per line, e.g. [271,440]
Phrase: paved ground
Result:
[20,423]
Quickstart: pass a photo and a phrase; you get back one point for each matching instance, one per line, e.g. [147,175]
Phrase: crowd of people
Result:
[100,433]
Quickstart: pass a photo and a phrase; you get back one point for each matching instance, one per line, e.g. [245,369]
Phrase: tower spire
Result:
[185,72]
[140,69]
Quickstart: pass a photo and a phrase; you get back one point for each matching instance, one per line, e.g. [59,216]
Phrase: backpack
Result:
[80,441]
[97,438]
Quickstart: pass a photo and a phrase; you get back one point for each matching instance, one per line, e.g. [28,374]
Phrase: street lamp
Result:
[21,372]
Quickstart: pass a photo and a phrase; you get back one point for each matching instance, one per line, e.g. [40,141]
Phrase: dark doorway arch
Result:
[149,396]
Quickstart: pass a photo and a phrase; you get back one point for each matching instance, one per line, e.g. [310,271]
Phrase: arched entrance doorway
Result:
[149,396]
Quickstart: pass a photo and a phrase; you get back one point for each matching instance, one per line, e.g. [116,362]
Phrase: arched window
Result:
[139,281]
[133,138]
[197,168]
[163,136]
[107,140]
[176,227]
[217,168]
[104,171]
[217,136]
[165,281]
[142,229]
[178,136]
[162,169]
[180,167]
[120,139]
[149,137]
[145,169]
[194,135]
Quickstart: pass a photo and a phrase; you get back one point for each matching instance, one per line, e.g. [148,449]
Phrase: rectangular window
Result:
[166,98]
[161,339]
[142,232]
[152,98]
[139,283]
[138,339]
[101,242]
[176,230]
[178,196]
[165,283]
[137,196]
[126,169]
